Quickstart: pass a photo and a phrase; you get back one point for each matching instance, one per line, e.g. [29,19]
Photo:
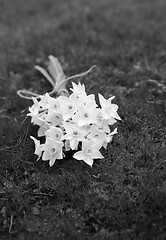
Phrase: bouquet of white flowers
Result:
[70,121]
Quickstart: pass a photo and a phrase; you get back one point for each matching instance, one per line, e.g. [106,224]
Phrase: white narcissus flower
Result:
[97,135]
[78,89]
[54,118]
[74,134]
[89,151]
[86,115]
[52,151]
[109,109]
[55,133]
[36,113]
[38,147]
[35,119]
[52,103]
[81,96]
[68,106]
[83,100]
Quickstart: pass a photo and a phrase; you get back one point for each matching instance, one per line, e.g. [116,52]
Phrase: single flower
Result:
[52,151]
[85,115]
[109,109]
[54,118]
[83,100]
[74,134]
[52,103]
[81,96]
[97,135]
[68,106]
[54,132]
[78,89]
[36,118]
[89,152]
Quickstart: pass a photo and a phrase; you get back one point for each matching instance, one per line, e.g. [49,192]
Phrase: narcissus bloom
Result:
[85,115]
[97,135]
[54,118]
[52,150]
[108,108]
[54,132]
[74,134]
[68,106]
[52,103]
[90,151]
[78,89]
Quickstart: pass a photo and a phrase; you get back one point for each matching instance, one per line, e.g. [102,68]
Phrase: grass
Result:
[123,195]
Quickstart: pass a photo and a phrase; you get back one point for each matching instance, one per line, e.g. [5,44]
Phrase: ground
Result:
[123,196]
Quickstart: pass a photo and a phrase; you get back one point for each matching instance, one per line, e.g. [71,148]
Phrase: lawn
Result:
[123,196]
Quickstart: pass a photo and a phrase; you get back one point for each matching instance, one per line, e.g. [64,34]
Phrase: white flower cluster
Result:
[73,123]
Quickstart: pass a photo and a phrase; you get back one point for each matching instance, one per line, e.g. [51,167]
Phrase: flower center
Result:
[100,118]
[70,107]
[52,150]
[96,135]
[75,133]
[86,115]
[88,151]
[56,135]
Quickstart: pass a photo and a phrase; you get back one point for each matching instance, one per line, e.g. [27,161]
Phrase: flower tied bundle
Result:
[71,122]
